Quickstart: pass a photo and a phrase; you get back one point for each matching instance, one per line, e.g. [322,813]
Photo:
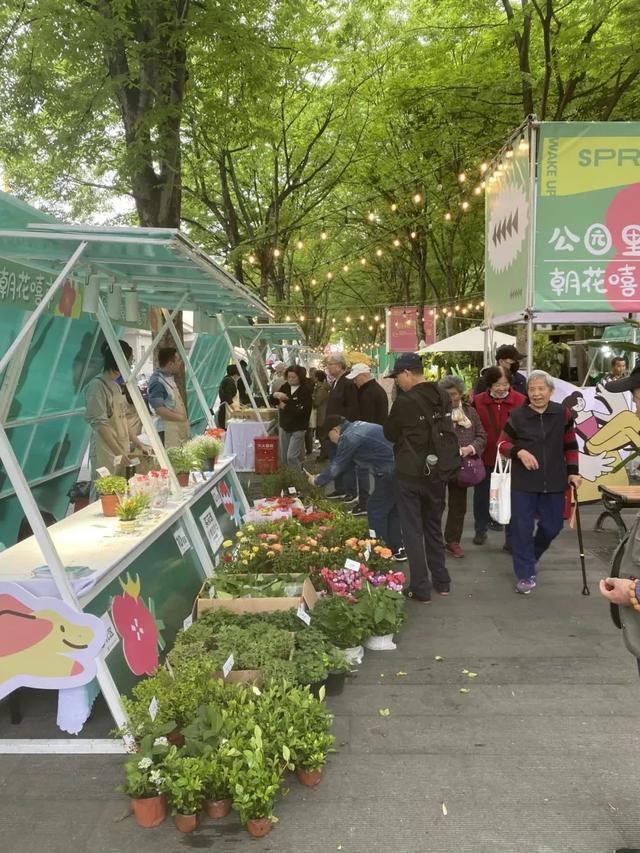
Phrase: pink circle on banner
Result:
[622,276]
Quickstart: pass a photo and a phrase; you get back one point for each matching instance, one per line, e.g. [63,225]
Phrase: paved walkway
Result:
[541,756]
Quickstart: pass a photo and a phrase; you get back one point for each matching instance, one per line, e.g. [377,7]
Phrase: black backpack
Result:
[442,457]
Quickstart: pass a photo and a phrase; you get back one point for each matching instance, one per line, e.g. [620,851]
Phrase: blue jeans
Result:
[527,546]
[382,512]
[481,515]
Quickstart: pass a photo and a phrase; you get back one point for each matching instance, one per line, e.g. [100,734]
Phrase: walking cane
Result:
[585,587]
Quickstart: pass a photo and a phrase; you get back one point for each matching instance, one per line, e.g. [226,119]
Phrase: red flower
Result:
[67,299]
[137,627]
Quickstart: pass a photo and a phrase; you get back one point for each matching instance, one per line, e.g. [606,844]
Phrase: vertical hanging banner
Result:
[401,328]
[507,235]
[587,251]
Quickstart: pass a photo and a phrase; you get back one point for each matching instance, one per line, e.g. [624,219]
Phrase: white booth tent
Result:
[471,340]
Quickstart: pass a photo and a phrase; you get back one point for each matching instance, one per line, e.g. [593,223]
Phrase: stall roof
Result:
[272,333]
[161,264]
[471,340]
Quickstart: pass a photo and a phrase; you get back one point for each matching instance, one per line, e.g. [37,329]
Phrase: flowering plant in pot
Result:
[205,449]
[255,782]
[183,462]
[129,510]
[185,788]
[145,781]
[110,488]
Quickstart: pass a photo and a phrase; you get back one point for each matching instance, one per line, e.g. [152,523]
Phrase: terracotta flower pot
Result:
[259,827]
[109,504]
[186,822]
[151,811]
[218,808]
[183,478]
[310,778]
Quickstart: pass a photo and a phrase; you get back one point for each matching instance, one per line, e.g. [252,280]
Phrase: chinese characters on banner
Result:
[587,254]
[401,328]
[23,287]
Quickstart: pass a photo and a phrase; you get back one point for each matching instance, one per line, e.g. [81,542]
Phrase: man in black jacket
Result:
[507,356]
[343,401]
[227,392]
[420,500]
[373,408]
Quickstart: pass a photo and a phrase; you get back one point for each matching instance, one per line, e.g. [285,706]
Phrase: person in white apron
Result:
[166,400]
[106,414]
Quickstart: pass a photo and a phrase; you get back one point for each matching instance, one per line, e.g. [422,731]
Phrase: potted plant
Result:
[255,782]
[206,450]
[145,780]
[110,488]
[182,462]
[342,624]
[311,753]
[310,722]
[337,668]
[185,789]
[217,787]
[129,510]
[382,611]
[310,669]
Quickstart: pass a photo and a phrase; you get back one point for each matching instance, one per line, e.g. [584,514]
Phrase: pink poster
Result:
[401,328]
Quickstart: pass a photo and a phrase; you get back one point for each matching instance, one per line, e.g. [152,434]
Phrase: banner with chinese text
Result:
[401,328]
[23,287]
[507,235]
[587,252]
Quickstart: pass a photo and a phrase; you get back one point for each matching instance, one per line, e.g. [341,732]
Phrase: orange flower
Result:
[276,547]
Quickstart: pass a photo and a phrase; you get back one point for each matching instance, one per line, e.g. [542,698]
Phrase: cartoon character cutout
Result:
[44,643]
[138,627]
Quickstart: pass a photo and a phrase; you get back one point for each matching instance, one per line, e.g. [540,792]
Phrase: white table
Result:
[239,441]
[88,538]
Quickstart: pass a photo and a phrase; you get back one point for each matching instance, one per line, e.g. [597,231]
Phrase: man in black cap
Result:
[426,453]
[507,356]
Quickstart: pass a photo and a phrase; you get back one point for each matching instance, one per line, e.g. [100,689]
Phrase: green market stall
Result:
[63,291]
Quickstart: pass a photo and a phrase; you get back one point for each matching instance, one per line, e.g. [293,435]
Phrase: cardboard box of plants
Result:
[255,605]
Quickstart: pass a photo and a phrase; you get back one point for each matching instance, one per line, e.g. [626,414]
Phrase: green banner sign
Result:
[507,235]
[587,245]
[23,287]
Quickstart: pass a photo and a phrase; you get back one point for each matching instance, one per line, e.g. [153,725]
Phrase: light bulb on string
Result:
[431,313]
[396,243]
[302,318]
[457,307]
[252,259]
[276,252]
[377,318]
[477,190]
[483,184]
[318,319]
[314,281]
[371,216]
[323,233]
[345,268]
[370,328]
[470,306]
[483,168]
[417,198]
[300,244]
[348,318]
[394,207]
[379,253]
[362,316]
[414,234]
[482,304]
[297,288]
[447,216]
[462,177]
[329,276]
[464,310]
[523,145]
[465,206]
[435,316]
[382,325]
[333,319]
[509,152]
[287,319]
[363,261]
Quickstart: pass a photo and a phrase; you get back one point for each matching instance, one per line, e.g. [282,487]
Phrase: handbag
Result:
[472,471]
[500,490]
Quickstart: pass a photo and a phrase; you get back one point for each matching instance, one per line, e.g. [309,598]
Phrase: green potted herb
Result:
[310,669]
[129,510]
[382,610]
[110,488]
[337,668]
[185,789]
[145,780]
[217,786]
[341,623]
[183,462]
[311,743]
[205,449]
[255,782]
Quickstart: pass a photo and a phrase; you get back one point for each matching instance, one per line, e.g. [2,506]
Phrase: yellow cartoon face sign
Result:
[45,643]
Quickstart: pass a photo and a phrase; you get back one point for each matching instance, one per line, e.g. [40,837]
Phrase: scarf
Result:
[458,417]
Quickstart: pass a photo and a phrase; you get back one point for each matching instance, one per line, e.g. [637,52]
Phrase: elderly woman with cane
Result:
[540,438]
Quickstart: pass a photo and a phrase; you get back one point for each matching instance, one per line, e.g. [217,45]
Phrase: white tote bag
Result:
[500,491]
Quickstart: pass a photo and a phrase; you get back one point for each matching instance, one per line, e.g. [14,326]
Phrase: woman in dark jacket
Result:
[294,402]
[472,439]
[494,407]
[541,440]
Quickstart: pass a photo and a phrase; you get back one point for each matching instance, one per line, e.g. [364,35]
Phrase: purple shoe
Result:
[525,587]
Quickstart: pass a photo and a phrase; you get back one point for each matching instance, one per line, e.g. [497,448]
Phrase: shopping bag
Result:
[500,490]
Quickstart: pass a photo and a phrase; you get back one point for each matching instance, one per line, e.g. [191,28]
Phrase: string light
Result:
[462,177]
[417,198]
[314,281]
[302,318]
[318,319]
[382,325]
[510,151]
[297,288]
[377,317]
[370,328]
[345,268]
[323,233]
[252,259]
[362,316]
[477,190]
[276,252]
[371,216]
[483,168]
[447,216]
[465,206]
[300,244]
[379,253]
[348,318]
[287,319]
[394,207]
[414,234]
[396,243]
[363,261]
[329,276]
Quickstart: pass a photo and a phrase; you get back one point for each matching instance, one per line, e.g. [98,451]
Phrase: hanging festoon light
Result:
[91,294]
[318,319]
[414,234]
[323,233]
[394,207]
[114,302]
[379,253]
[329,276]
[417,198]
[348,318]
[462,177]
[396,243]
[131,306]
[447,216]
[371,216]
[314,281]
[363,261]
[287,319]
[465,206]
[362,317]
[523,144]
[477,190]
[252,259]
[345,268]
[300,243]
[276,252]
[301,318]
[297,288]
[509,151]
[377,318]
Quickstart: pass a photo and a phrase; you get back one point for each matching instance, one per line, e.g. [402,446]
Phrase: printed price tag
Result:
[212,529]
[367,552]
[104,472]
[153,708]
[352,565]
[112,635]
[292,490]
[198,476]
[134,460]
[227,666]
[187,623]
[309,510]
[215,494]
[181,541]
[372,534]
[302,614]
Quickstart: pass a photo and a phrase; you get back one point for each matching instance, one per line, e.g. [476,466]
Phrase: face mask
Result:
[499,395]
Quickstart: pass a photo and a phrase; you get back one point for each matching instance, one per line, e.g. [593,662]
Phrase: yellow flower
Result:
[227,543]
[245,562]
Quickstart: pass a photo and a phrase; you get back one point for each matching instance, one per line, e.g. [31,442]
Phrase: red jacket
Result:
[494,415]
